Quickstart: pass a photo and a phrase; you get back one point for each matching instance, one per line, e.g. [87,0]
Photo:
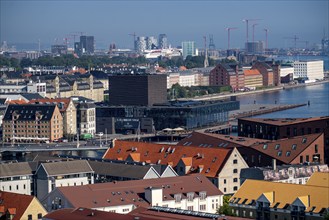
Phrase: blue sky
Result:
[111,21]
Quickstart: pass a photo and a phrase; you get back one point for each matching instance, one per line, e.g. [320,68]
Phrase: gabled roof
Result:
[132,192]
[213,159]
[30,96]
[285,193]
[28,112]
[12,201]
[119,169]
[17,169]
[319,179]
[286,150]
[67,167]
[283,121]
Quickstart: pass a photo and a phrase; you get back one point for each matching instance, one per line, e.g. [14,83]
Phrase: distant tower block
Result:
[163,41]
[211,42]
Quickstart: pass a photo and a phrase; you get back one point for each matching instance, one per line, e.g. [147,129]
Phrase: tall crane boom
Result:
[229,36]
[247,24]
[295,38]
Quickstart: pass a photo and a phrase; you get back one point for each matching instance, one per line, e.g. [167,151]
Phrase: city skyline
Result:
[113,21]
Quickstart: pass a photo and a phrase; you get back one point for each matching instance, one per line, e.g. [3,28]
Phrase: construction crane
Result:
[247,23]
[304,41]
[229,36]
[253,32]
[211,42]
[134,36]
[295,38]
[266,39]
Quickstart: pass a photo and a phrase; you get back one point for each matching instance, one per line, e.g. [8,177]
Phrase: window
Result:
[178,197]
[190,208]
[265,146]
[224,189]
[125,210]
[235,161]
[294,146]
[202,207]
[39,216]
[316,148]
[301,160]
[307,158]
[288,153]
[16,187]
[235,171]
[235,180]
[29,217]
[203,195]
[277,146]
[235,188]
[224,181]
[190,197]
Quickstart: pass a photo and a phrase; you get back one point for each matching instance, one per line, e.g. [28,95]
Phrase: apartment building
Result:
[221,166]
[252,79]
[68,112]
[62,173]
[271,200]
[32,123]
[194,193]
[272,129]
[17,177]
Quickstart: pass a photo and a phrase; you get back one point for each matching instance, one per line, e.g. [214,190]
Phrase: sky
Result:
[111,21]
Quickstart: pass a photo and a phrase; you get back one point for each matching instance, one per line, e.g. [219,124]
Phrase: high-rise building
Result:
[255,47]
[189,48]
[151,43]
[87,44]
[140,44]
[163,41]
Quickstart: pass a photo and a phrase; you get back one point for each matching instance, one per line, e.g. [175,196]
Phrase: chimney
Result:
[274,164]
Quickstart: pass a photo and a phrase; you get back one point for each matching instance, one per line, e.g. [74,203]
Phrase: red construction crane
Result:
[229,36]
[247,23]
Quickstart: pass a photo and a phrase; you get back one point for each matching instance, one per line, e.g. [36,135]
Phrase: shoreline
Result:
[278,88]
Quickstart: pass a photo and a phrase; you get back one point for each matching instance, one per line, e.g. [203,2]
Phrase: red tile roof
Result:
[171,154]
[15,203]
[251,72]
[17,101]
[64,101]
[132,192]
[87,214]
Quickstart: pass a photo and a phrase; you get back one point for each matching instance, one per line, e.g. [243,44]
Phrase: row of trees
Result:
[97,61]
[178,91]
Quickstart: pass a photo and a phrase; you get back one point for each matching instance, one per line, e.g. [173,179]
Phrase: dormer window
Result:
[178,197]
[190,196]
[203,195]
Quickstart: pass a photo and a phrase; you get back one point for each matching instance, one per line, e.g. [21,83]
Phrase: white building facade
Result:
[311,70]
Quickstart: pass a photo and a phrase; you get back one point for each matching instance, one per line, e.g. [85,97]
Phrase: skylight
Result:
[294,146]
[277,146]
[279,153]
[288,153]
[265,146]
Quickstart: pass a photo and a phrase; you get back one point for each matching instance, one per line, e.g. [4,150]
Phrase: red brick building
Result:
[227,75]
[273,129]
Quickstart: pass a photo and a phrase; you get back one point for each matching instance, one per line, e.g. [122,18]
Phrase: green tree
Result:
[225,209]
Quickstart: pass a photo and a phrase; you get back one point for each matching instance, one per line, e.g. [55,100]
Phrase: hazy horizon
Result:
[113,21]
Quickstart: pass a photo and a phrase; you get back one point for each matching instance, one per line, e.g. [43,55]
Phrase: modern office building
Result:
[309,70]
[151,43]
[144,90]
[189,48]
[163,41]
[187,114]
[85,46]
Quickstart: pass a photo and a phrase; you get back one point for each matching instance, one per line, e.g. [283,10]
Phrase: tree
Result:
[225,209]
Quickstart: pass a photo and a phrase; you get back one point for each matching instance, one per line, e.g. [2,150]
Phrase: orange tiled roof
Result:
[65,101]
[213,159]
[17,101]
[251,72]
[15,203]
